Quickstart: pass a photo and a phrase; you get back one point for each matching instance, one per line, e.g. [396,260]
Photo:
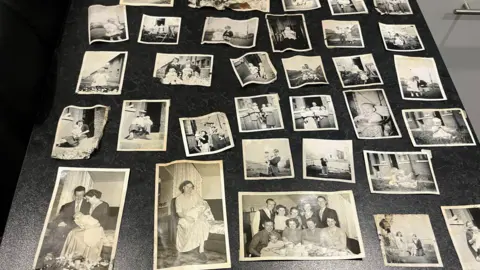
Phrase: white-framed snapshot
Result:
[393,7]
[159,30]
[313,113]
[254,67]
[288,32]
[300,5]
[236,33]
[342,34]
[259,113]
[236,5]
[303,70]
[347,7]
[107,23]
[401,37]
[155,3]
[184,69]
[357,70]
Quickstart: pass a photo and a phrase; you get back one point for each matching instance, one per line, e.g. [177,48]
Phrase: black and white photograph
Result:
[267,159]
[313,113]
[144,125]
[107,23]
[79,131]
[102,73]
[438,127]
[299,225]
[159,30]
[304,70]
[401,37]
[407,240]
[191,229]
[371,114]
[259,113]
[83,219]
[206,135]
[400,172]
[236,33]
[347,7]
[342,34]
[299,5]
[184,69]
[236,5]
[357,70]
[288,32]
[156,3]
[254,67]
[418,78]
[393,7]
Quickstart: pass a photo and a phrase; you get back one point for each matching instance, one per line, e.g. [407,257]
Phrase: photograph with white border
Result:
[107,23]
[299,5]
[401,37]
[236,33]
[393,7]
[342,34]
[156,3]
[259,113]
[236,5]
[303,70]
[347,7]
[159,30]
[288,32]
[183,69]
[254,67]
[313,113]
[357,70]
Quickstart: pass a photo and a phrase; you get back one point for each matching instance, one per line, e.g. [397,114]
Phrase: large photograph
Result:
[357,70]
[288,32]
[393,7]
[236,5]
[342,34]
[159,30]
[313,112]
[347,7]
[304,70]
[401,37]
[236,33]
[258,113]
[267,159]
[184,69]
[254,67]
[107,23]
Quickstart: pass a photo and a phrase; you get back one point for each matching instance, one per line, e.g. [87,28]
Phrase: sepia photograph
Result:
[438,127]
[236,5]
[313,113]
[299,225]
[288,32]
[236,33]
[357,70]
[347,7]
[258,113]
[371,114]
[267,159]
[144,125]
[191,229]
[400,172]
[401,37]
[342,34]
[156,3]
[184,69]
[393,7]
[206,135]
[83,219]
[304,70]
[102,73]
[159,30]
[254,67]
[299,5]
[107,23]
[407,240]
[79,131]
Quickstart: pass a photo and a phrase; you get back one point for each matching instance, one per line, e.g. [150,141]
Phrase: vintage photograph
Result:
[357,70]
[159,30]
[401,37]
[267,159]
[107,23]
[407,240]
[288,32]
[157,3]
[254,67]
[184,69]
[206,135]
[438,127]
[236,33]
[191,229]
[79,131]
[342,34]
[144,125]
[299,225]
[299,5]
[400,172]
[393,7]
[418,78]
[313,112]
[83,219]
[347,7]
[102,73]
[304,70]
[371,114]
[236,5]
[258,113]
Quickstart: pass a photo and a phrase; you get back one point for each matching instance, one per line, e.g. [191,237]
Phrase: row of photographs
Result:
[191,228]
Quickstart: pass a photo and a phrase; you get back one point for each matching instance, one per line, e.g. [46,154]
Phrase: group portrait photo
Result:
[313,112]
[342,34]
[107,23]
[304,70]
[183,69]
[259,113]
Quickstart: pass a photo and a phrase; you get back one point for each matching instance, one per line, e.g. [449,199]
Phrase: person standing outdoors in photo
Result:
[324,163]
[262,215]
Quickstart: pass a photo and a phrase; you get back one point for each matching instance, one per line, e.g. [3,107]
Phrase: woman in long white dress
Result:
[309,119]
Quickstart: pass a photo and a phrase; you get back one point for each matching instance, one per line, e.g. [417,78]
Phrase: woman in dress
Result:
[113,30]
[295,213]
[369,122]
[418,246]
[253,117]
[280,218]
[311,235]
[292,233]
[322,115]
[203,142]
[269,118]
[333,237]
[308,214]
[308,116]
[400,242]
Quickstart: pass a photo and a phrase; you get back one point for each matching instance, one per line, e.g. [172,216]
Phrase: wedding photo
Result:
[236,5]
[347,7]
[107,23]
[236,33]
[254,67]
[267,159]
[304,70]
[159,30]
[288,32]
[156,3]
[83,219]
[393,7]
[299,225]
[313,112]
[342,34]
[299,5]
[184,69]
[259,113]
[191,229]
[401,37]
[357,70]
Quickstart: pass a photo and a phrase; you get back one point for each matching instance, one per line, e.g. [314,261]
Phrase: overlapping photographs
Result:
[107,23]
[313,112]
[184,69]
[258,113]
[393,7]
[288,32]
[401,37]
[299,5]
[254,67]
[347,7]
[159,30]
[342,34]
[304,70]
[357,70]
[236,33]
[156,3]
[237,5]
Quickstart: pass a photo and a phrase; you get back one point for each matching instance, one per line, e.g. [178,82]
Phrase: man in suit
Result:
[325,212]
[263,215]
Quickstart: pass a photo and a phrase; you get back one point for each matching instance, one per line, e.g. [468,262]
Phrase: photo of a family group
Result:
[254,67]
[184,69]
[357,70]
[288,32]
[258,113]
[304,70]
[347,7]
[393,7]
[299,5]
[107,23]
[401,37]
[159,30]
[342,34]
[267,159]
[157,3]
[313,112]
[236,33]
[236,5]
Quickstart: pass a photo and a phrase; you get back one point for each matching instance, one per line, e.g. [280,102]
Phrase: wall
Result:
[211,188]
[258,202]
[111,191]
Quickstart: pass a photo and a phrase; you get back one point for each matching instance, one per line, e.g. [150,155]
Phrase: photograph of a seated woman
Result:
[288,32]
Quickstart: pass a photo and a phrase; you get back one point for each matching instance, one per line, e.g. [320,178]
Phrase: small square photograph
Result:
[236,5]
[254,67]
[400,172]
[288,32]
[156,3]
[79,131]
[298,5]
[304,70]
[184,69]
[418,78]
[313,113]
[159,30]
[393,7]
[407,240]
[401,37]
[267,159]
[236,33]
[371,114]
[438,127]
[102,73]
[107,23]
[258,113]
[347,7]
[357,70]
[342,34]
[206,135]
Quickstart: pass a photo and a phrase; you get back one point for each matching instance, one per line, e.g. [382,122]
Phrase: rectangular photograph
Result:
[156,3]
[393,7]
[259,113]
[342,34]
[254,67]
[83,219]
[107,23]
[313,113]
[184,69]
[191,230]
[407,240]
[299,5]
[304,70]
[347,7]
[288,32]
[401,37]
[299,225]
[371,114]
[357,70]
[236,5]
[236,33]
[400,172]
[267,159]
[438,127]
[159,30]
